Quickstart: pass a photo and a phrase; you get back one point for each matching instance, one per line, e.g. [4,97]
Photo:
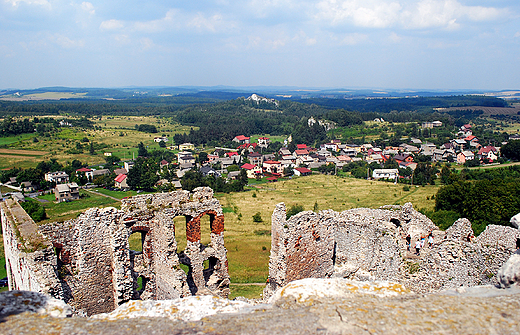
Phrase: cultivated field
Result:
[42,96]
[117,134]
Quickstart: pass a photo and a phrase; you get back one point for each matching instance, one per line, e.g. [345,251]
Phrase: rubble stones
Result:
[509,273]
[515,221]
[478,310]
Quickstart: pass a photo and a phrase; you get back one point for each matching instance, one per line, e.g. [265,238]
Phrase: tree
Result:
[162,144]
[34,209]
[203,157]
[257,217]
[144,174]
[511,150]
[141,150]
[111,161]
[191,180]
[91,149]
[391,164]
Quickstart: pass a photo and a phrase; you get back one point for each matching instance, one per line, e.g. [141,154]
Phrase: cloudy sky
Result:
[408,44]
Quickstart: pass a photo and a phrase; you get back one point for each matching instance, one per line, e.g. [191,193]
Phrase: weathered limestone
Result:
[30,260]
[509,273]
[310,306]
[370,244]
[93,269]
[15,302]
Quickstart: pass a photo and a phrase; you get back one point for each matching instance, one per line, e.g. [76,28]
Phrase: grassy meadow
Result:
[248,243]
[116,133]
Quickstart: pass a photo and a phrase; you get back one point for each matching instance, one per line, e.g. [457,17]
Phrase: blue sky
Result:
[402,44]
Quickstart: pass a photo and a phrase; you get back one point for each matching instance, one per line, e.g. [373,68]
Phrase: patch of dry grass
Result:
[248,243]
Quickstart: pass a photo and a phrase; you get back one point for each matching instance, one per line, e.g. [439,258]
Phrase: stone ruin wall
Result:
[370,244]
[96,271]
[30,261]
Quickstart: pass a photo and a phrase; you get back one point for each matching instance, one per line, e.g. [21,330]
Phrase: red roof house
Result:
[302,171]
[120,181]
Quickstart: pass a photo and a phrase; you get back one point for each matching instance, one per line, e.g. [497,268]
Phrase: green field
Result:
[116,133]
[68,210]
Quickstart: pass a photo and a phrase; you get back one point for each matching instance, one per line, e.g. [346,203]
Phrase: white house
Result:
[160,139]
[385,174]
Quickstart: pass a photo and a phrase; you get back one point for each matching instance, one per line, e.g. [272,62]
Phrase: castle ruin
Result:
[370,244]
[87,262]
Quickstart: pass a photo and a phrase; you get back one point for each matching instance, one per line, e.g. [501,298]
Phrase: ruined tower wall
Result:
[88,262]
[30,260]
[371,244]
[92,259]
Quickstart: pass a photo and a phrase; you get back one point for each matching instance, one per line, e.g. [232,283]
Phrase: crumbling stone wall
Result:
[30,261]
[98,271]
[370,244]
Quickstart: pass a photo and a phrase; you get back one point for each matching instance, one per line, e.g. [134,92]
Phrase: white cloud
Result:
[302,37]
[15,3]
[177,20]
[395,38]
[171,19]
[266,8]
[66,42]
[266,43]
[146,43]
[111,25]
[370,13]
[88,7]
[202,22]
[404,13]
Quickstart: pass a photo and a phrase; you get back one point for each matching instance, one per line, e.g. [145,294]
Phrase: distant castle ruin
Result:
[87,262]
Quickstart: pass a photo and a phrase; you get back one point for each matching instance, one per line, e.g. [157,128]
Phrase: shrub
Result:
[257,217]
[295,209]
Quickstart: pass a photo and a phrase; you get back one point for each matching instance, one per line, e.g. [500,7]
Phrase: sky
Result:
[399,44]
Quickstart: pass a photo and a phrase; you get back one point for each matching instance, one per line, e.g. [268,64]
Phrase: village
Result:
[303,160]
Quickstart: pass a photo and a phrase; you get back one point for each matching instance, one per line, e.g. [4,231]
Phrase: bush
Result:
[295,209]
[34,209]
[406,188]
[257,217]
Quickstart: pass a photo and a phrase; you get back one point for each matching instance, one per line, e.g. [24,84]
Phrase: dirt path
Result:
[103,195]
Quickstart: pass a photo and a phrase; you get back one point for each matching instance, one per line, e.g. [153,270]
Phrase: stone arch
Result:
[193,230]
[146,245]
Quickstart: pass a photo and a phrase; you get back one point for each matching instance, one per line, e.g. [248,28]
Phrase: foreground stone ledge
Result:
[475,310]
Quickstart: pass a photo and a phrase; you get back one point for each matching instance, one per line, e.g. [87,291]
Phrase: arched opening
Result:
[139,287]
[210,265]
[180,231]
[136,241]
[60,264]
[205,229]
